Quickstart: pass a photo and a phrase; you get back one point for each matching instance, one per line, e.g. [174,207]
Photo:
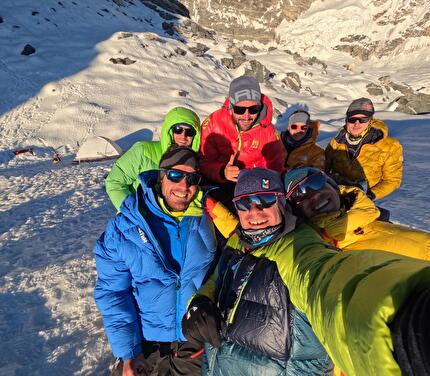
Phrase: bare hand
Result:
[231,171]
[134,367]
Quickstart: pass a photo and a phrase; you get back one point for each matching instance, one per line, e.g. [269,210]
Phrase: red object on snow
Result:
[22,151]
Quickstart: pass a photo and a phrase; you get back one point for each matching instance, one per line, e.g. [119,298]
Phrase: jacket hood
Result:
[265,117]
[179,115]
[380,125]
[130,206]
[315,125]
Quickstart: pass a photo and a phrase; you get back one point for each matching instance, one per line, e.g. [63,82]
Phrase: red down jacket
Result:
[258,147]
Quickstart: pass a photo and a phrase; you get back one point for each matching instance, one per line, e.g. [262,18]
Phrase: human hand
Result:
[231,171]
[135,367]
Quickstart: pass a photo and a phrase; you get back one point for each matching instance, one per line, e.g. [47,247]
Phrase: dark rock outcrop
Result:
[258,70]
[293,81]
[374,89]
[28,50]
[123,61]
[250,20]
[199,50]
[417,103]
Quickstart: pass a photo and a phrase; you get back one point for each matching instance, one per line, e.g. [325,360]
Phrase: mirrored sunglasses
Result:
[362,120]
[303,127]
[261,201]
[252,110]
[176,176]
[306,187]
[179,129]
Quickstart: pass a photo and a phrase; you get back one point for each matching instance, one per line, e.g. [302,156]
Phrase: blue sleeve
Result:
[114,299]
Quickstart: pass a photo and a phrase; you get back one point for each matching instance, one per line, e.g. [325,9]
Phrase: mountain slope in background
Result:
[114,68]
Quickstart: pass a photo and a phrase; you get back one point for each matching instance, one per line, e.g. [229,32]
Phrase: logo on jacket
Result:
[265,183]
[255,144]
[142,235]
[205,123]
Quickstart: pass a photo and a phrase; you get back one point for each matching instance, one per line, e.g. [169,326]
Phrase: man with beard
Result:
[300,141]
[240,135]
[150,261]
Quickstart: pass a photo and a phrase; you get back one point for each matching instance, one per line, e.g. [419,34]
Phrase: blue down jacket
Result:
[141,291]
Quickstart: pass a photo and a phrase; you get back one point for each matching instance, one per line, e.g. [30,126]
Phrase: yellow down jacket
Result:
[358,228]
[309,153]
[380,163]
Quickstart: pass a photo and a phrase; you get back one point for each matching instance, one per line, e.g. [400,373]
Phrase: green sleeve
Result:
[350,298]
[123,178]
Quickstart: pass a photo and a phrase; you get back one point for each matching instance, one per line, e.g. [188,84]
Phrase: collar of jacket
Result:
[195,208]
[291,144]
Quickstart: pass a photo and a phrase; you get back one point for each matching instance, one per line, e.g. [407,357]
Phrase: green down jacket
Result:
[123,178]
[349,298]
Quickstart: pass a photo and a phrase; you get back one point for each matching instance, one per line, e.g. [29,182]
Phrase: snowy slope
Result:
[52,214]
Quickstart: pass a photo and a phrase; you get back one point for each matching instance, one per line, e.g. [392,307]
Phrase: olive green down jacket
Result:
[123,178]
[350,298]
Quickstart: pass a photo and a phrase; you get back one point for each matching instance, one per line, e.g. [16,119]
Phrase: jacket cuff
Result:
[137,350]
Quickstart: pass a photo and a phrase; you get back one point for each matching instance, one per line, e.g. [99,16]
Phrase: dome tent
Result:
[97,148]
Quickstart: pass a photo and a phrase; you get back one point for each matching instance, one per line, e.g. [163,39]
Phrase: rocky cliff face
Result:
[251,19]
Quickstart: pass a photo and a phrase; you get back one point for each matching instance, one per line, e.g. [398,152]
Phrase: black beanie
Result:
[179,155]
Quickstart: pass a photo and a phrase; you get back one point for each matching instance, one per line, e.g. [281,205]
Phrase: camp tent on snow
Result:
[97,148]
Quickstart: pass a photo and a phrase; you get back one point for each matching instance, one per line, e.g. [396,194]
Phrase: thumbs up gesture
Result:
[231,171]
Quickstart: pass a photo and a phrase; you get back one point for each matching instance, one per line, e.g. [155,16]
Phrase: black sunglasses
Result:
[175,176]
[362,120]
[304,188]
[179,129]
[261,201]
[252,110]
[303,127]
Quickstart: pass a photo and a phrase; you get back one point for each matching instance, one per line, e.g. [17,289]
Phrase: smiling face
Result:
[255,219]
[323,201]
[182,139]
[355,128]
[244,121]
[178,196]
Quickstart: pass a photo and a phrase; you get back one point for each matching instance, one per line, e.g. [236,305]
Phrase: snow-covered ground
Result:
[52,214]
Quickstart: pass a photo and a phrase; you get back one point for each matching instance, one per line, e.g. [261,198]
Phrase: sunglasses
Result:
[362,120]
[261,201]
[179,129]
[304,188]
[176,176]
[303,127]
[252,110]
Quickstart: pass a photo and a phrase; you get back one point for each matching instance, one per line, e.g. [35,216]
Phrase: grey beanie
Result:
[299,117]
[244,88]
[360,106]
[258,180]
[179,155]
